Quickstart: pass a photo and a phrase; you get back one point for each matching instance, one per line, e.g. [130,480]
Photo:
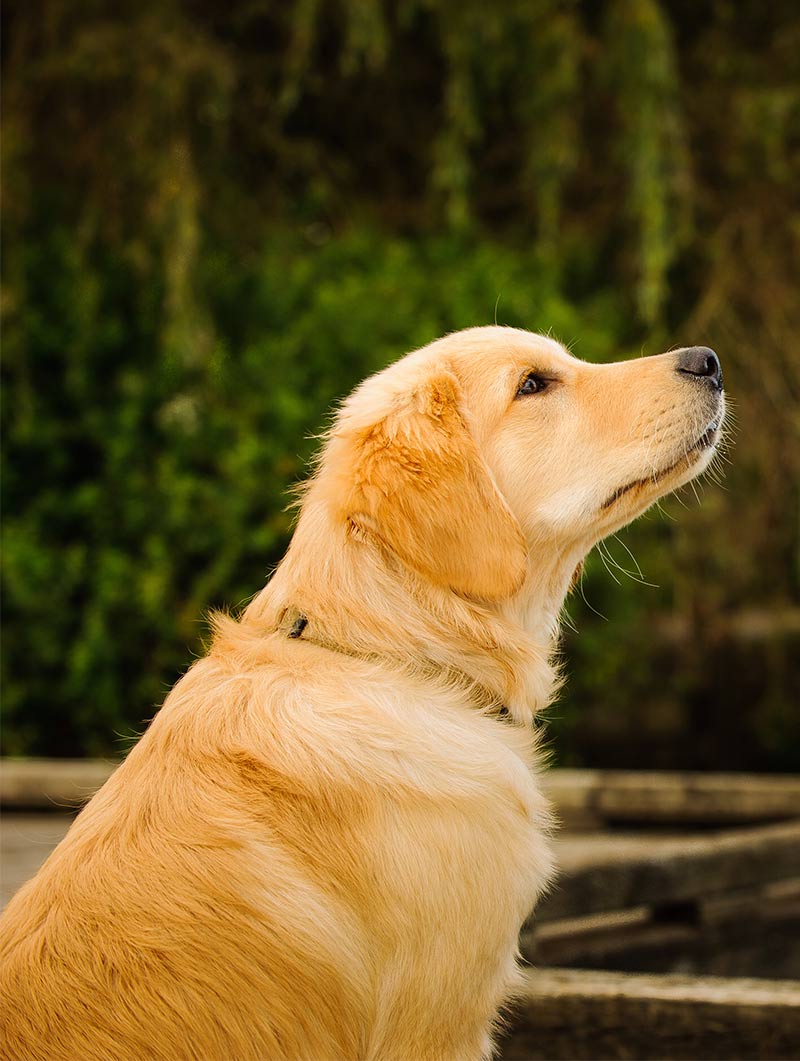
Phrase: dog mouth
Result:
[708,437]
[691,453]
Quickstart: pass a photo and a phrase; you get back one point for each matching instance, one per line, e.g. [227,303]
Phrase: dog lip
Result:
[708,437]
[620,491]
[704,442]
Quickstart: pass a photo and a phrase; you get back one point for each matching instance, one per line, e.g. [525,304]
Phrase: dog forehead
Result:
[499,341]
[485,361]
[484,356]
[494,355]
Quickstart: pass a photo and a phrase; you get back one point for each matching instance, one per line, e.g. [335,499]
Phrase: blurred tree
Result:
[218,219]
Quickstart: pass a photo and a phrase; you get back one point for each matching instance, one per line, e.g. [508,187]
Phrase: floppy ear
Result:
[421,487]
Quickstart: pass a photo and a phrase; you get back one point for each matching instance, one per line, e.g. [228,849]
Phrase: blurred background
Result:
[219,217]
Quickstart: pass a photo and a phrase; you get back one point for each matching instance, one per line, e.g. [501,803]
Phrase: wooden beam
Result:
[51,784]
[753,934]
[565,1013]
[602,873]
[597,797]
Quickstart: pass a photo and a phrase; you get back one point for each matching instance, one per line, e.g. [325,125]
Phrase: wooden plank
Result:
[51,784]
[606,873]
[586,1014]
[757,936]
[26,840]
[608,796]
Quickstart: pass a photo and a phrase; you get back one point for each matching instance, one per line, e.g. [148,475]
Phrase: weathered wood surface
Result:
[605,872]
[26,840]
[751,933]
[598,797]
[585,1014]
[51,784]
[582,797]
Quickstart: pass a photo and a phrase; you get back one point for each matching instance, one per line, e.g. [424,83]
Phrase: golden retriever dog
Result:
[326,842]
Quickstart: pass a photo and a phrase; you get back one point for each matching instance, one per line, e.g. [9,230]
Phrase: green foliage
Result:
[642,70]
[216,223]
[144,486]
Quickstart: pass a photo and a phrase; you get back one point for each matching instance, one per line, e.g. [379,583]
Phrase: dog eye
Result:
[532,384]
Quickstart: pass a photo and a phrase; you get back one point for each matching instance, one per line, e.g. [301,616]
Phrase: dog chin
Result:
[676,473]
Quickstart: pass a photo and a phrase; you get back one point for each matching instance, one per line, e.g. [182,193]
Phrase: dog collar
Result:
[299,625]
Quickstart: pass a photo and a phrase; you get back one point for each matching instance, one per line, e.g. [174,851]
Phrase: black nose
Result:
[702,362]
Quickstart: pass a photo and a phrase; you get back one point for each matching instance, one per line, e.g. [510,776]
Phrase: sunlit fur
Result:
[324,846]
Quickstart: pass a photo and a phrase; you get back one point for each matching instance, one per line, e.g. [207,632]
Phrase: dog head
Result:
[464,458]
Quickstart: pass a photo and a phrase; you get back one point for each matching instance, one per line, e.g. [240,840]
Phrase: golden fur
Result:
[325,844]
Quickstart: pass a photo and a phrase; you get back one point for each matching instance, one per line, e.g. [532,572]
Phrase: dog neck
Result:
[537,608]
[358,600]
